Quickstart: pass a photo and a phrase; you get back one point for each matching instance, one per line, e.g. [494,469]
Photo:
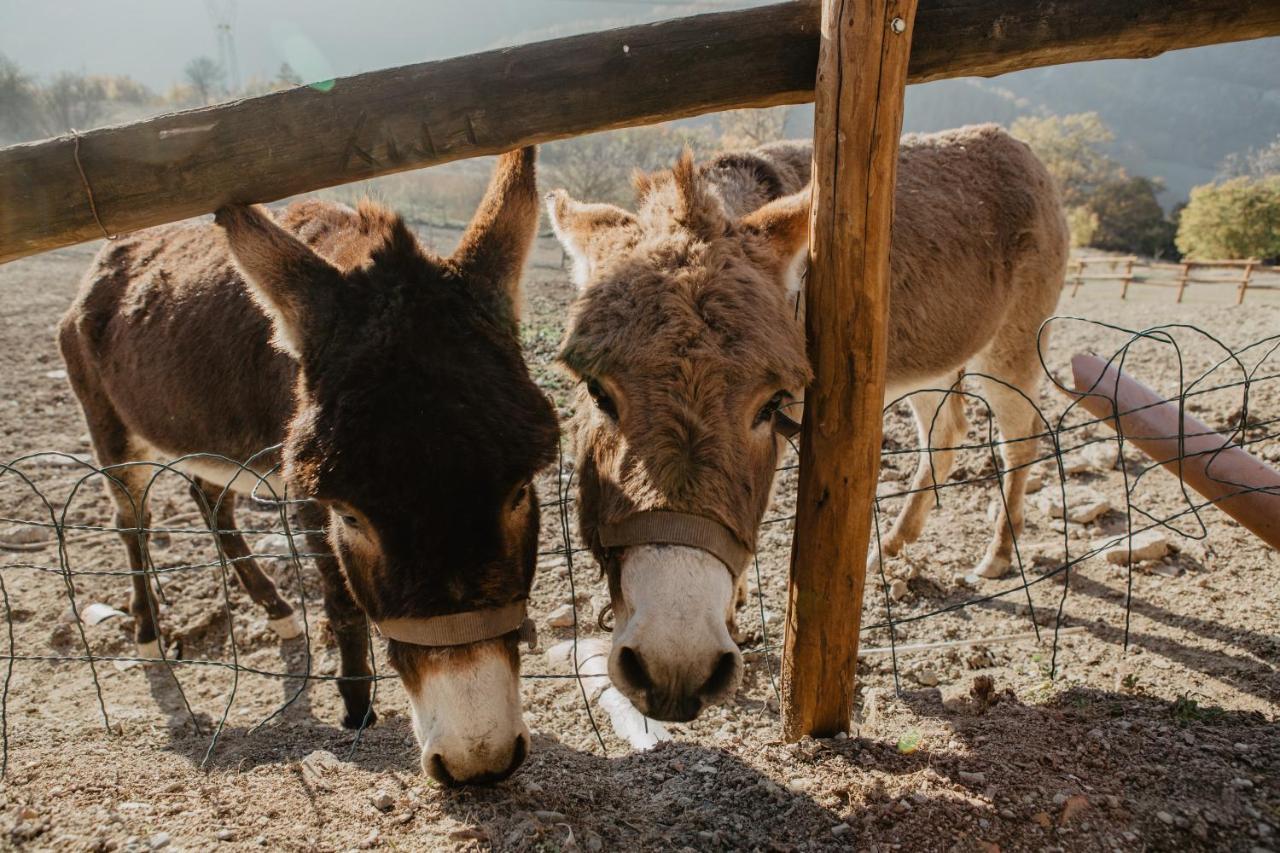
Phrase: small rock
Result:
[840,829]
[225,835]
[1102,455]
[1165,818]
[370,841]
[1147,545]
[382,801]
[1034,483]
[926,677]
[470,833]
[547,816]
[1072,807]
[799,785]
[159,841]
[898,590]
[1241,782]
[274,546]
[972,778]
[1083,505]
[704,769]
[23,534]
[562,617]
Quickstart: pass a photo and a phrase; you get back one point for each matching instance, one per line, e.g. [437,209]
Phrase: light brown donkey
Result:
[687,339]
[404,408]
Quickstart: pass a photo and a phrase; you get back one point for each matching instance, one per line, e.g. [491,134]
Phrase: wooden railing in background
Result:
[1177,276]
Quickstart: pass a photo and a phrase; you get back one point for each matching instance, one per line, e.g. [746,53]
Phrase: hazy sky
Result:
[152,40]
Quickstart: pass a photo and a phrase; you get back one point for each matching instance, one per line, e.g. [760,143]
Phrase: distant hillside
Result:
[1175,117]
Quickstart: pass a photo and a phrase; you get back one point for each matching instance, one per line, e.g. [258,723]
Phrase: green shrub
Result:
[1239,218]
[1083,224]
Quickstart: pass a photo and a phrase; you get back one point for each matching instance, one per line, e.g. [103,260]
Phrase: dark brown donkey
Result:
[394,382]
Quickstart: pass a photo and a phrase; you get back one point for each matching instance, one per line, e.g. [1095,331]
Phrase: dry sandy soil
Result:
[1172,742]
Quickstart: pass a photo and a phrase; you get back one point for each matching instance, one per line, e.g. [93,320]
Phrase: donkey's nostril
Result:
[436,770]
[722,677]
[632,670]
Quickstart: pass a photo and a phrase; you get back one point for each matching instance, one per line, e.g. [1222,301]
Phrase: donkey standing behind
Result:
[687,339]
[394,381]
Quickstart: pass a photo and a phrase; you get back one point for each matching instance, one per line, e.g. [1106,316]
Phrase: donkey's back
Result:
[978,251]
[978,255]
[165,337]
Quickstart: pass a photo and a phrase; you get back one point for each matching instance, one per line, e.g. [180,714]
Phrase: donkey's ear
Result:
[784,226]
[783,223]
[589,232]
[496,243]
[285,277]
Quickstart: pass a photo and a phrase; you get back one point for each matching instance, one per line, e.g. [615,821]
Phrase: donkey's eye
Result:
[602,400]
[349,520]
[521,495]
[771,408]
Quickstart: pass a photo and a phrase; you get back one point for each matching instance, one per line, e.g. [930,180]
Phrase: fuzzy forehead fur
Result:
[685,284]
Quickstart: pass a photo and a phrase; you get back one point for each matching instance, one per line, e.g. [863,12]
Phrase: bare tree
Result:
[1254,163]
[751,128]
[18,106]
[206,77]
[72,101]
[598,167]
[286,77]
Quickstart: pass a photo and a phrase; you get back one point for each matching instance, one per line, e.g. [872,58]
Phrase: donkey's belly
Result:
[259,478]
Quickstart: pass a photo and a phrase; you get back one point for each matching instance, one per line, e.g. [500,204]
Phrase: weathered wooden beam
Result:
[266,148]
[862,78]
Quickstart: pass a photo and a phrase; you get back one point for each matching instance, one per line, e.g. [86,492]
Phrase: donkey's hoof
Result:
[994,568]
[359,719]
[150,651]
[287,627]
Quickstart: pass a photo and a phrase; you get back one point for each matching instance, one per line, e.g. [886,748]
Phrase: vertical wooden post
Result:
[862,72]
[1128,278]
[1182,279]
[1244,282]
[1079,266]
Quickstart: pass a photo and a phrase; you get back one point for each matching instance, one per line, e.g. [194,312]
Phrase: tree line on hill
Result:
[1235,216]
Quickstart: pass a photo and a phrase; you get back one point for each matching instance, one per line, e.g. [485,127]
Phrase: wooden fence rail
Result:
[1181,276]
[75,188]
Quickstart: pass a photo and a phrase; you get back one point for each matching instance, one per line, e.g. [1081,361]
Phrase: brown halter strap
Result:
[664,527]
[458,629]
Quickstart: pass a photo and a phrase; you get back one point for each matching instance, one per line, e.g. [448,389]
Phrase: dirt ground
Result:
[1172,743]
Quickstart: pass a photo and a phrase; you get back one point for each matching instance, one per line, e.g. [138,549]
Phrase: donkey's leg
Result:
[218,509]
[347,621]
[1018,420]
[127,490]
[940,424]
[126,486]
